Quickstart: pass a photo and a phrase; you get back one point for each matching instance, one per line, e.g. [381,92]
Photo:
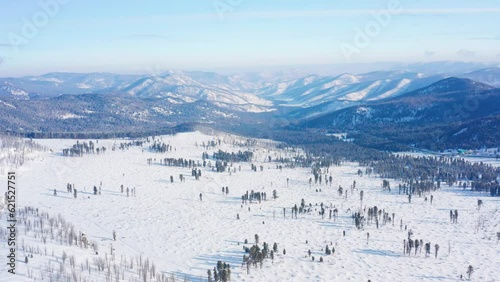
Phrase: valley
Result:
[169,224]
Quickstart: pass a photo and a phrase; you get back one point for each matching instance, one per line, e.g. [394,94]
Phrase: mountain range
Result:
[372,102]
[456,112]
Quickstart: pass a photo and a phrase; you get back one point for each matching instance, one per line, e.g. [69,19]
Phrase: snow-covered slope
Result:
[54,84]
[220,90]
[246,92]
[8,89]
[334,93]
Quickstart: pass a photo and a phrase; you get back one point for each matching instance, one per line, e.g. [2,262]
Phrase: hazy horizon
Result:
[131,37]
[429,68]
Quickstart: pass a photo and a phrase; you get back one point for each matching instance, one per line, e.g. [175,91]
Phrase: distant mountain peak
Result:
[463,83]
[489,76]
[451,85]
[348,78]
[497,69]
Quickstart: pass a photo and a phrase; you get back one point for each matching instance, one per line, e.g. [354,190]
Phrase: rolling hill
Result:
[429,117]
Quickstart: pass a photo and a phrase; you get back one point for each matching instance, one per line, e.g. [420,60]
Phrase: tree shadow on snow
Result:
[58,196]
[336,224]
[384,253]
[114,193]
[181,276]
[229,200]
[234,259]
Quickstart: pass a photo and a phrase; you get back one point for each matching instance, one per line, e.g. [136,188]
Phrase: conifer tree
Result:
[209,273]
[470,270]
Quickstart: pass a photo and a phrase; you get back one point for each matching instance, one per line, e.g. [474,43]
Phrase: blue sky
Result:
[137,36]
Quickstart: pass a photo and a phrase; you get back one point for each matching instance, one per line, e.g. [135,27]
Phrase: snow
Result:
[163,111]
[398,89]
[309,79]
[478,159]
[363,110]
[280,88]
[461,131]
[54,80]
[167,223]
[8,88]
[359,95]
[181,85]
[7,104]
[69,116]
[223,114]
[141,115]
[83,86]
[342,80]
[18,92]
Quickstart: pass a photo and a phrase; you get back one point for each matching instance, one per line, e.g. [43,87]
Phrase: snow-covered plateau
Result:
[184,228]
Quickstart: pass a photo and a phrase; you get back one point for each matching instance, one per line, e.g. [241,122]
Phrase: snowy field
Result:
[168,224]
